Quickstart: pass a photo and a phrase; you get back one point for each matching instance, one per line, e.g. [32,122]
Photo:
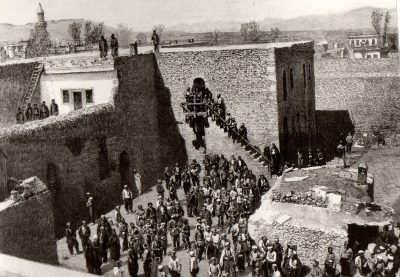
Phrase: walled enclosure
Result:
[27,229]
[368,89]
[95,149]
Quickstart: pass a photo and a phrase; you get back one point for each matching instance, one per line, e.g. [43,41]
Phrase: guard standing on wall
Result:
[36,112]
[156,42]
[114,46]
[29,112]
[90,206]
[44,111]
[53,108]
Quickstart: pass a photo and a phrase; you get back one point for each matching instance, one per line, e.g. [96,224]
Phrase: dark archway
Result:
[304,76]
[124,168]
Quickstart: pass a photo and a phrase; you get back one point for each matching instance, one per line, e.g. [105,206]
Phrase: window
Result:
[65,96]
[376,56]
[373,42]
[89,96]
[369,57]
[284,85]
[304,76]
[291,79]
[357,42]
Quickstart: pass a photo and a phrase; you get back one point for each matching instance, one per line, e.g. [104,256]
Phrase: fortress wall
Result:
[27,230]
[244,77]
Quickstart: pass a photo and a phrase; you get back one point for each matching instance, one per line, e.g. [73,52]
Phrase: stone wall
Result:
[14,82]
[95,149]
[296,97]
[368,89]
[244,77]
[27,229]
[311,244]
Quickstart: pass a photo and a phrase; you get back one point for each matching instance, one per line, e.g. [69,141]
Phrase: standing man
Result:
[103,47]
[71,240]
[177,173]
[127,198]
[90,206]
[20,116]
[156,41]
[174,265]
[193,264]
[53,108]
[349,143]
[84,234]
[44,111]
[36,112]
[29,112]
[342,153]
[138,181]
[114,46]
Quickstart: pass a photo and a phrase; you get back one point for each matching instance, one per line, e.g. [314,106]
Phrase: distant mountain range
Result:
[352,20]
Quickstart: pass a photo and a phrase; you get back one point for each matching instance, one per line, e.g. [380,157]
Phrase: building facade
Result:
[364,47]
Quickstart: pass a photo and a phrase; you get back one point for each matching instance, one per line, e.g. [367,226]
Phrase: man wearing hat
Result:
[275,272]
[193,264]
[330,257]
[185,234]
[228,260]
[174,265]
[214,270]
[127,198]
[219,212]
[316,270]
[84,234]
[255,261]
[90,206]
[133,264]
[199,239]
[361,263]
[159,188]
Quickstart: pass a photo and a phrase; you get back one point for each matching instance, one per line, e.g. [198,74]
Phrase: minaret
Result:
[40,14]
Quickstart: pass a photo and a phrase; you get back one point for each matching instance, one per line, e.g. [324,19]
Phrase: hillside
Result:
[58,30]
[354,19]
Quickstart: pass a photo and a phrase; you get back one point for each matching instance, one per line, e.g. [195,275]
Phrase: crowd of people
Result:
[221,201]
[36,113]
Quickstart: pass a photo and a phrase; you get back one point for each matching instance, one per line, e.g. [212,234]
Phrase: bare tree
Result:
[93,31]
[88,32]
[159,29]
[74,30]
[124,35]
[275,32]
[254,31]
[141,38]
[215,37]
[385,28]
[39,42]
[376,18]
[244,31]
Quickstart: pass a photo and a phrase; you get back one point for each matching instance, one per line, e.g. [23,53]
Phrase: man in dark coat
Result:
[156,41]
[53,108]
[103,244]
[70,236]
[243,132]
[20,116]
[84,234]
[133,265]
[114,46]
[29,112]
[97,255]
[115,247]
[36,112]
[44,111]
[89,256]
[103,47]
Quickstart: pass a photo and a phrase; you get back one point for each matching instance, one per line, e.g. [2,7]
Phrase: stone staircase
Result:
[218,142]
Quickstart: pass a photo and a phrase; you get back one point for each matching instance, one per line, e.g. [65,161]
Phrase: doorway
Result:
[77,100]
[362,234]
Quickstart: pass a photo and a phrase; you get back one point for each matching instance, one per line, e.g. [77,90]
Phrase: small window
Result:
[284,85]
[376,56]
[373,42]
[65,96]
[89,96]
[369,57]
[291,79]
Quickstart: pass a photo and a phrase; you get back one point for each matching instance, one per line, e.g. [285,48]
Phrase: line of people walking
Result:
[34,112]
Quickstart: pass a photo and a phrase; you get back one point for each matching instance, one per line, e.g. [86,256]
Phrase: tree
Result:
[275,32]
[376,18]
[215,37]
[254,31]
[124,35]
[141,38]
[159,29]
[385,28]
[39,42]
[93,31]
[74,30]
[244,31]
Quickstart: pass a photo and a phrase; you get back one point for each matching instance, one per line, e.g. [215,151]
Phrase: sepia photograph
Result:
[208,138]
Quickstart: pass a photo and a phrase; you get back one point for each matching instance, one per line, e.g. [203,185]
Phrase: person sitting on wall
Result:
[29,112]
[36,112]
[20,116]
[44,111]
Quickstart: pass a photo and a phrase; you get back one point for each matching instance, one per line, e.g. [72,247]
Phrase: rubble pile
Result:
[26,189]
[303,198]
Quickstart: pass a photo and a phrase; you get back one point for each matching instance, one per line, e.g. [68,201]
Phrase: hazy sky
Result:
[144,14]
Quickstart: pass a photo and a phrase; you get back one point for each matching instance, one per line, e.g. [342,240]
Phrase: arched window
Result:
[304,76]
[284,86]
[291,79]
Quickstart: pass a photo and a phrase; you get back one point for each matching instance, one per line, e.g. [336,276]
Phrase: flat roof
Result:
[363,36]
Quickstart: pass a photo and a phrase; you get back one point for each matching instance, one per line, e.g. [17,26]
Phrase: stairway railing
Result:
[246,142]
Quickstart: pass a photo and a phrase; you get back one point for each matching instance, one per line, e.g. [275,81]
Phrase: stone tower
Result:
[40,14]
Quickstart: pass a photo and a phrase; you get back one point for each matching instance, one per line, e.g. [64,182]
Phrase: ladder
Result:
[33,83]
